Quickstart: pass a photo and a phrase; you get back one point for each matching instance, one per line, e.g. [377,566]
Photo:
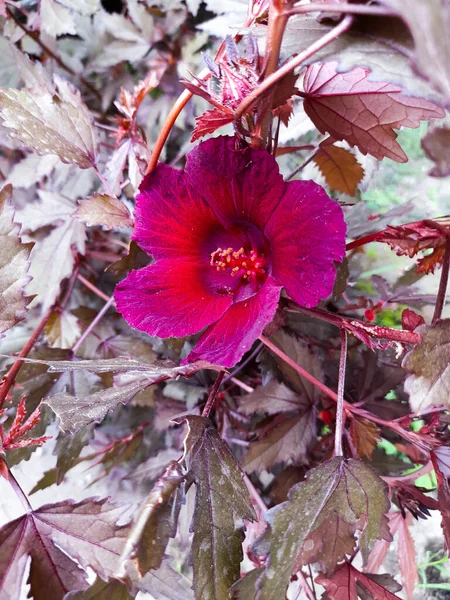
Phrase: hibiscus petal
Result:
[170,221]
[237,184]
[226,341]
[307,235]
[169,299]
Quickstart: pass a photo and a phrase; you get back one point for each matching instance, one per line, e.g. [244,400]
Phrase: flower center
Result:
[248,265]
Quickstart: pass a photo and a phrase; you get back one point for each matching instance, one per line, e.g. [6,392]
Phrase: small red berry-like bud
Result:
[326,416]
[369,314]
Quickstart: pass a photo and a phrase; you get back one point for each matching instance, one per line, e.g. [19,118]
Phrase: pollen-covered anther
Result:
[247,264]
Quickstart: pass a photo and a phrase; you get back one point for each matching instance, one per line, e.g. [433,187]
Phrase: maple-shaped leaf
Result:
[345,585]
[411,320]
[68,449]
[408,240]
[244,589]
[209,121]
[436,145]
[51,123]
[102,590]
[52,257]
[340,168]
[14,264]
[406,551]
[221,505]
[101,209]
[270,399]
[162,584]
[300,353]
[157,520]
[62,330]
[364,113]
[364,435]
[329,544]
[56,19]
[429,23]
[348,489]
[381,45]
[428,382]
[286,439]
[76,412]
[58,538]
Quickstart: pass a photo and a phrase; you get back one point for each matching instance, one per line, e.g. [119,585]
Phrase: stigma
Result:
[248,265]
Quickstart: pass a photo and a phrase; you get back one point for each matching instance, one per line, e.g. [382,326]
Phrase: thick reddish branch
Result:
[213,395]
[410,436]
[373,237]
[376,331]
[292,64]
[442,292]
[10,377]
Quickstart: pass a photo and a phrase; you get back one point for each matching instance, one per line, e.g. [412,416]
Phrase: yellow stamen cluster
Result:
[238,261]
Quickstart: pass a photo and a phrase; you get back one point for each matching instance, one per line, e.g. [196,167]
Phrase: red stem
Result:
[321,386]
[440,301]
[275,31]
[93,288]
[213,395]
[372,237]
[19,491]
[176,109]
[410,436]
[376,331]
[295,62]
[10,377]
[93,323]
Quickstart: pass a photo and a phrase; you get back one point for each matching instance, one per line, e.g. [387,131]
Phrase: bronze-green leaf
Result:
[428,365]
[221,505]
[346,488]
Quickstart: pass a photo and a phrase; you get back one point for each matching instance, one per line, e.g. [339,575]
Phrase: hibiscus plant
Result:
[224,258]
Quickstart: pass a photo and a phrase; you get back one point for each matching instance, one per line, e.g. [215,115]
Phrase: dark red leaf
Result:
[209,121]
[342,586]
[58,538]
[411,320]
[406,551]
[408,240]
[364,113]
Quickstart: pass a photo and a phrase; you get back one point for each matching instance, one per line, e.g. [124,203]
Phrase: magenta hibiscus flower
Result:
[227,234]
